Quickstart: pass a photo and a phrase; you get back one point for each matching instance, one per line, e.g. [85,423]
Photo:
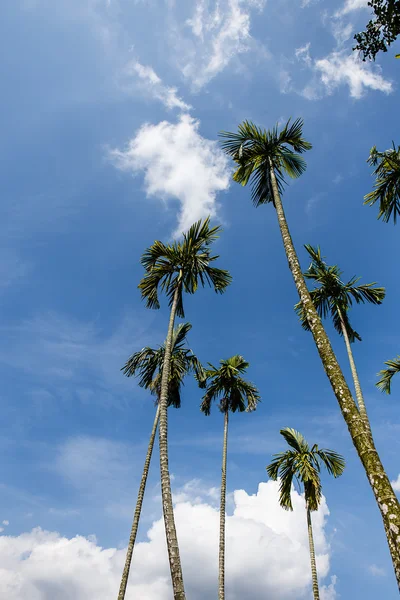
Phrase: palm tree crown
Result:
[334,297]
[387,185]
[226,384]
[304,464]
[147,365]
[256,150]
[384,384]
[182,266]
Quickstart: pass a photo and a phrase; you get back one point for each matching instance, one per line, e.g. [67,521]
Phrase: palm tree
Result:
[177,268]
[387,184]
[386,375]
[334,297]
[262,158]
[304,464]
[147,364]
[236,394]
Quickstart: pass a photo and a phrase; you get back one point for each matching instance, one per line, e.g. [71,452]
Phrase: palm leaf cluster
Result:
[182,266]
[387,185]
[256,151]
[303,464]
[147,365]
[385,381]
[333,297]
[227,385]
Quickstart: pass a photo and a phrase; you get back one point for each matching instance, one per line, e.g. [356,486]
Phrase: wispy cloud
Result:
[352,5]
[376,571]
[146,79]
[178,164]
[218,35]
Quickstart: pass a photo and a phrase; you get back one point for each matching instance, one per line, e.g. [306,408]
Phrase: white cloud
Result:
[267,556]
[352,5]
[218,35]
[328,592]
[338,69]
[396,484]
[148,80]
[341,31]
[5,522]
[376,571]
[178,163]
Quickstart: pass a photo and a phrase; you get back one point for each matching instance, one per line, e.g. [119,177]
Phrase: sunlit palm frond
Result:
[387,183]
[302,463]
[226,384]
[256,150]
[182,267]
[384,384]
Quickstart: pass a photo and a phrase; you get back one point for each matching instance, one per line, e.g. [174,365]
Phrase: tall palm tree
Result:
[387,185]
[334,297]
[177,268]
[147,365]
[384,384]
[263,158]
[236,394]
[304,464]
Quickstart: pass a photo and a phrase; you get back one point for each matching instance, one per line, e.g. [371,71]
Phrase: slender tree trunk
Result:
[357,386]
[312,556]
[362,439]
[168,509]
[138,510]
[221,574]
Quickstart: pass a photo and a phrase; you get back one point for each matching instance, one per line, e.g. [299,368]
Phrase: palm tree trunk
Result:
[168,509]
[386,499]
[312,557]
[138,510]
[359,395]
[221,574]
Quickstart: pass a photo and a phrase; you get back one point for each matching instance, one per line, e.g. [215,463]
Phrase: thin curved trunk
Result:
[360,434]
[138,509]
[312,557]
[221,573]
[168,509]
[359,395]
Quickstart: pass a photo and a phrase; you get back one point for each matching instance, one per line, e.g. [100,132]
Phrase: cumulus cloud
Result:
[218,35]
[339,69]
[267,556]
[151,84]
[396,484]
[179,164]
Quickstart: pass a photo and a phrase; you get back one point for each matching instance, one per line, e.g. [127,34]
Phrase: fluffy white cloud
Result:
[396,484]
[180,164]
[338,69]
[267,556]
[219,34]
[147,79]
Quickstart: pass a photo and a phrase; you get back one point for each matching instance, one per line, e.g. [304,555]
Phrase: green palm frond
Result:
[387,183]
[302,463]
[255,149]
[384,384]
[182,266]
[333,297]
[147,365]
[225,384]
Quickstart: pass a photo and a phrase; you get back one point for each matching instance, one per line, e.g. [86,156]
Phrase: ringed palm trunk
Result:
[312,556]
[221,560]
[168,509]
[359,395]
[138,510]
[359,431]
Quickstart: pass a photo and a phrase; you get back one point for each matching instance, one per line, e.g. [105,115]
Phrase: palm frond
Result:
[333,461]
[295,439]
[384,384]
[387,183]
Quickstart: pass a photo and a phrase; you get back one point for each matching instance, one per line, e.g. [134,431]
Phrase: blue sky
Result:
[109,121]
